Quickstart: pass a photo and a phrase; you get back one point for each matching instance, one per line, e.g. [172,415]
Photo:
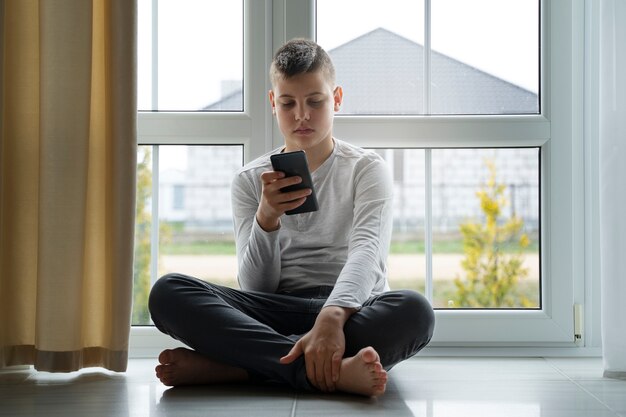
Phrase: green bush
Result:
[492,274]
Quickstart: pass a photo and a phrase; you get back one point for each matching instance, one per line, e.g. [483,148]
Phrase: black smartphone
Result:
[294,163]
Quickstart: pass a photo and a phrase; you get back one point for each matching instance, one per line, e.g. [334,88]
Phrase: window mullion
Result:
[154,230]
[155,54]
[428,224]
[427,46]
[428,212]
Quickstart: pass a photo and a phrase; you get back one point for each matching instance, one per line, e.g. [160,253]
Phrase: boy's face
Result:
[304,106]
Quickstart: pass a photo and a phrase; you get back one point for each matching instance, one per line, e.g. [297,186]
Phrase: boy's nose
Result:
[302,114]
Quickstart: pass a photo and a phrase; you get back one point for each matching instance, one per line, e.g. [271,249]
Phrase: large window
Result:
[460,98]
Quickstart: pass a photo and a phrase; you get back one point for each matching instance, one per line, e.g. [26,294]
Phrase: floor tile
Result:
[578,368]
[78,398]
[11,377]
[492,387]
[234,400]
[524,395]
[390,404]
[225,401]
[477,369]
[426,386]
[611,392]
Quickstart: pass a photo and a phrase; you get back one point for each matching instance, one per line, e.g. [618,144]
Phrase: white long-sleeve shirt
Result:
[344,244]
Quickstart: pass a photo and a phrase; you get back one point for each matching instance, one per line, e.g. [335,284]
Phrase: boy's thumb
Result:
[293,354]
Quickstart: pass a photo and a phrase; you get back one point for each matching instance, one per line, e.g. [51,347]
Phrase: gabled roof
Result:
[381,72]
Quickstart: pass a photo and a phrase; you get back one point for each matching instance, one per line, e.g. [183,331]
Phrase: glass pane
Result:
[486,228]
[195,220]
[378,55]
[485,57]
[406,262]
[196,235]
[143,228]
[190,55]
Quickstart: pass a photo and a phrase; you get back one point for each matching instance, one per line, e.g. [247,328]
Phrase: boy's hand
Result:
[275,203]
[323,348]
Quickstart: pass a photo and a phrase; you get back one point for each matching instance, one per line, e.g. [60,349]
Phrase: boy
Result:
[314,310]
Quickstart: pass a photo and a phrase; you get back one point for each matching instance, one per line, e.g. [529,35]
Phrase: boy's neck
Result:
[317,155]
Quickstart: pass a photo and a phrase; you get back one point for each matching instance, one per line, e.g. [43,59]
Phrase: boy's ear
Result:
[272,102]
[338,97]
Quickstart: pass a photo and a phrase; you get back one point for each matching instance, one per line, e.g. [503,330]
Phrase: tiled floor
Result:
[426,386]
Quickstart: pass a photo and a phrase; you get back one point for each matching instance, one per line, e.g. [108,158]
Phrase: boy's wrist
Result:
[336,314]
[267,224]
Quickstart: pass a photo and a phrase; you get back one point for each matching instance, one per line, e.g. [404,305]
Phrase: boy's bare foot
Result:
[182,366]
[363,374]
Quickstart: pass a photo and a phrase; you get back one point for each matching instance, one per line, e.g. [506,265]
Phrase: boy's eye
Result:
[311,102]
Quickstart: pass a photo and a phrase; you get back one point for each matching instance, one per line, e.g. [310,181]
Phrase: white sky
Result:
[200,44]
[500,37]
[200,41]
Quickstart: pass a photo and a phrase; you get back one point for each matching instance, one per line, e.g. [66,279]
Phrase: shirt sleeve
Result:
[365,269]
[258,252]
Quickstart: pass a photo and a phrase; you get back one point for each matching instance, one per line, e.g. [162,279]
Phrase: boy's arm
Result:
[257,215]
[369,240]
[258,252]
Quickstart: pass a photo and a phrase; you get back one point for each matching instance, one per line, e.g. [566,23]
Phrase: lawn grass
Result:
[199,248]
[444,291]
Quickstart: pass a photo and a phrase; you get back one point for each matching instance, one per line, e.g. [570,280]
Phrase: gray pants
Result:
[253,330]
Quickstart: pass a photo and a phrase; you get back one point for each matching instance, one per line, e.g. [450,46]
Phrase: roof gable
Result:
[382,73]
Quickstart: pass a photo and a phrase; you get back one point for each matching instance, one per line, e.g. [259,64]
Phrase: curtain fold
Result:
[67,182]
[613,185]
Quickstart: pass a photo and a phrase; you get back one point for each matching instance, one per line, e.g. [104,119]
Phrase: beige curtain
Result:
[67,182]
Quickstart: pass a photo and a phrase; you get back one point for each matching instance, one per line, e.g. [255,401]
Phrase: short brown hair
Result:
[299,56]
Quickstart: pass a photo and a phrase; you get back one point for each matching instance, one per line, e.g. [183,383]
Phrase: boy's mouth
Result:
[303,131]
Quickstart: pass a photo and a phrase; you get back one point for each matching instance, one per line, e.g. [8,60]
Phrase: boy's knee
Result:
[417,311]
[162,291]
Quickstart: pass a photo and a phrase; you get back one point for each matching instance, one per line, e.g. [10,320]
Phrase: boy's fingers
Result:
[328,375]
[293,354]
[272,175]
[283,183]
[310,374]
[320,377]
[295,196]
[336,366]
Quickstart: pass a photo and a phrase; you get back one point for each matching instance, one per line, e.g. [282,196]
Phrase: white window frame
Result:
[558,131]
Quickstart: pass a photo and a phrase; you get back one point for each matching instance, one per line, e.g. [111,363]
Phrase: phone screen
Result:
[292,164]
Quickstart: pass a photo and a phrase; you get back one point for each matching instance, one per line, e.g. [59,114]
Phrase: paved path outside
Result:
[223,268]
